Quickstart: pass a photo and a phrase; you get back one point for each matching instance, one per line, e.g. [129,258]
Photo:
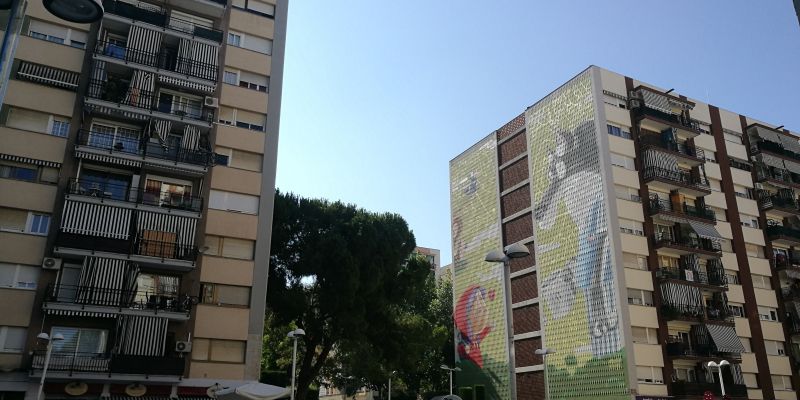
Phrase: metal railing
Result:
[649,141]
[700,388]
[141,146]
[163,249]
[681,177]
[109,363]
[164,60]
[772,147]
[132,194]
[774,231]
[740,165]
[663,205]
[780,261]
[677,347]
[147,13]
[674,119]
[712,276]
[695,312]
[116,91]
[764,172]
[767,200]
[694,243]
[790,293]
[119,298]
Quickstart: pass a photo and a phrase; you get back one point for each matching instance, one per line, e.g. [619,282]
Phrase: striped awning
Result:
[725,338]
[186,84]
[673,218]
[790,143]
[792,274]
[792,166]
[106,158]
[767,134]
[706,231]
[141,336]
[26,160]
[656,101]
[680,294]
[96,220]
[71,313]
[117,112]
[48,75]
[771,160]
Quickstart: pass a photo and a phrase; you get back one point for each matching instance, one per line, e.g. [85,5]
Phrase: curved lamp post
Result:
[445,367]
[712,364]
[294,335]
[516,250]
[46,337]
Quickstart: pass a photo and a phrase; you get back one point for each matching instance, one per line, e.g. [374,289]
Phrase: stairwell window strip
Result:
[57,34]
[17,276]
[619,131]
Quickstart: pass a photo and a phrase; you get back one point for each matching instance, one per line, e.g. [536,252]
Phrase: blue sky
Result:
[379,96]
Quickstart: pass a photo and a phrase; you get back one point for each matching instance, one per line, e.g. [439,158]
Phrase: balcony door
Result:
[177,104]
[68,283]
[115,138]
[104,184]
[167,193]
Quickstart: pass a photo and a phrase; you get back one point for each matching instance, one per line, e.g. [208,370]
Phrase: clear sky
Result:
[380,95]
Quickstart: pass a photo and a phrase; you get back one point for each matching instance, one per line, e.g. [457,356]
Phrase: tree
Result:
[342,274]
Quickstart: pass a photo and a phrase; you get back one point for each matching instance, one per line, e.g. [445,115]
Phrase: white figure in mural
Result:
[575,181]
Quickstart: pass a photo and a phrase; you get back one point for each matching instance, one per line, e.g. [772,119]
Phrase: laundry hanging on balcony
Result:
[197,59]
[162,128]
[143,45]
[48,75]
[141,89]
[705,231]
[102,282]
[96,220]
[191,138]
[141,336]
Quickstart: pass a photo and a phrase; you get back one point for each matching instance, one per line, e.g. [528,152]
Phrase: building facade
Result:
[432,256]
[662,233]
[137,178]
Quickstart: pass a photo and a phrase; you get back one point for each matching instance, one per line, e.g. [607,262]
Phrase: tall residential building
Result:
[662,232]
[432,256]
[137,177]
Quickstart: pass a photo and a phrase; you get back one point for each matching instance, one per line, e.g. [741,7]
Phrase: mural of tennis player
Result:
[473,322]
[575,182]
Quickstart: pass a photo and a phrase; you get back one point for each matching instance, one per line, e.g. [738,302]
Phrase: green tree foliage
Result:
[343,274]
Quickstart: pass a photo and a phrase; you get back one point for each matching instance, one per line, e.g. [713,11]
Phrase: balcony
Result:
[669,180]
[774,148]
[678,348]
[138,11]
[687,245]
[106,366]
[687,152]
[126,195]
[163,62]
[783,235]
[704,214]
[664,120]
[696,390]
[782,262]
[784,206]
[117,301]
[712,278]
[128,150]
[777,176]
[113,94]
[153,253]
[790,293]
[686,312]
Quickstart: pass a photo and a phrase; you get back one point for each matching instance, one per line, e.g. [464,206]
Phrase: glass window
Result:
[60,128]
[782,382]
[238,248]
[18,276]
[103,184]
[12,339]
[77,44]
[234,39]
[13,219]
[228,201]
[19,172]
[227,351]
[40,223]
[649,374]
[226,294]
[774,348]
[767,313]
[762,282]
[230,77]
[80,340]
[200,349]
[634,261]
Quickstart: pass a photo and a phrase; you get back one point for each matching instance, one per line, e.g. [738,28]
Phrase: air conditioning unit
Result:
[212,102]
[183,347]
[51,263]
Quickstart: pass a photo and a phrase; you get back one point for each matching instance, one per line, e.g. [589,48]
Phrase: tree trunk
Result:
[309,370]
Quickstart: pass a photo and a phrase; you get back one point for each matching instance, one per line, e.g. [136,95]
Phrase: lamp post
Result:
[516,250]
[712,364]
[391,374]
[80,11]
[46,337]
[295,334]
[445,367]
[544,352]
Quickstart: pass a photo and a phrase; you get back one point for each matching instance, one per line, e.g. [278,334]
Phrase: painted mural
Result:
[481,343]
[573,250]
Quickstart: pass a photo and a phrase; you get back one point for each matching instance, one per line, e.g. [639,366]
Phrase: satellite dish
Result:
[135,390]
[76,388]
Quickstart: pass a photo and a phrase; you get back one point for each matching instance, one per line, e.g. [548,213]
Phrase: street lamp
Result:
[295,334]
[445,367]
[46,337]
[544,352]
[516,250]
[712,364]
[391,374]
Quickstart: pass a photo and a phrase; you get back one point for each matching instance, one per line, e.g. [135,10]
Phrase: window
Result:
[743,192]
[715,184]
[168,192]
[725,245]
[750,380]
[236,202]
[634,261]
[253,81]
[261,8]
[18,171]
[644,335]
[18,276]
[710,156]
[12,339]
[119,138]
[225,294]
[242,159]
[234,39]
[732,136]
[782,382]
[640,297]
[736,309]
[668,262]
[685,374]
[627,193]
[775,348]
[762,281]
[620,132]
[622,161]
[746,344]
[229,247]
[767,313]
[59,128]
[649,374]
[80,340]
[748,220]
[24,221]
[754,250]
[218,350]
[230,77]
[631,227]
[720,213]
[57,34]
[38,223]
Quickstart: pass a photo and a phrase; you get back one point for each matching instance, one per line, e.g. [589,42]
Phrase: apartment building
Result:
[662,232]
[432,256]
[137,175]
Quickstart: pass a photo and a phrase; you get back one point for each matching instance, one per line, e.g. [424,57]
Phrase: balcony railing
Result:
[680,177]
[163,60]
[781,175]
[663,205]
[699,212]
[118,298]
[674,119]
[791,293]
[712,277]
[162,249]
[105,363]
[139,246]
[740,165]
[699,388]
[131,194]
[774,148]
[141,146]
[684,149]
[767,201]
[780,261]
[145,13]
[690,242]
[699,313]
[116,91]
[777,231]
[679,348]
